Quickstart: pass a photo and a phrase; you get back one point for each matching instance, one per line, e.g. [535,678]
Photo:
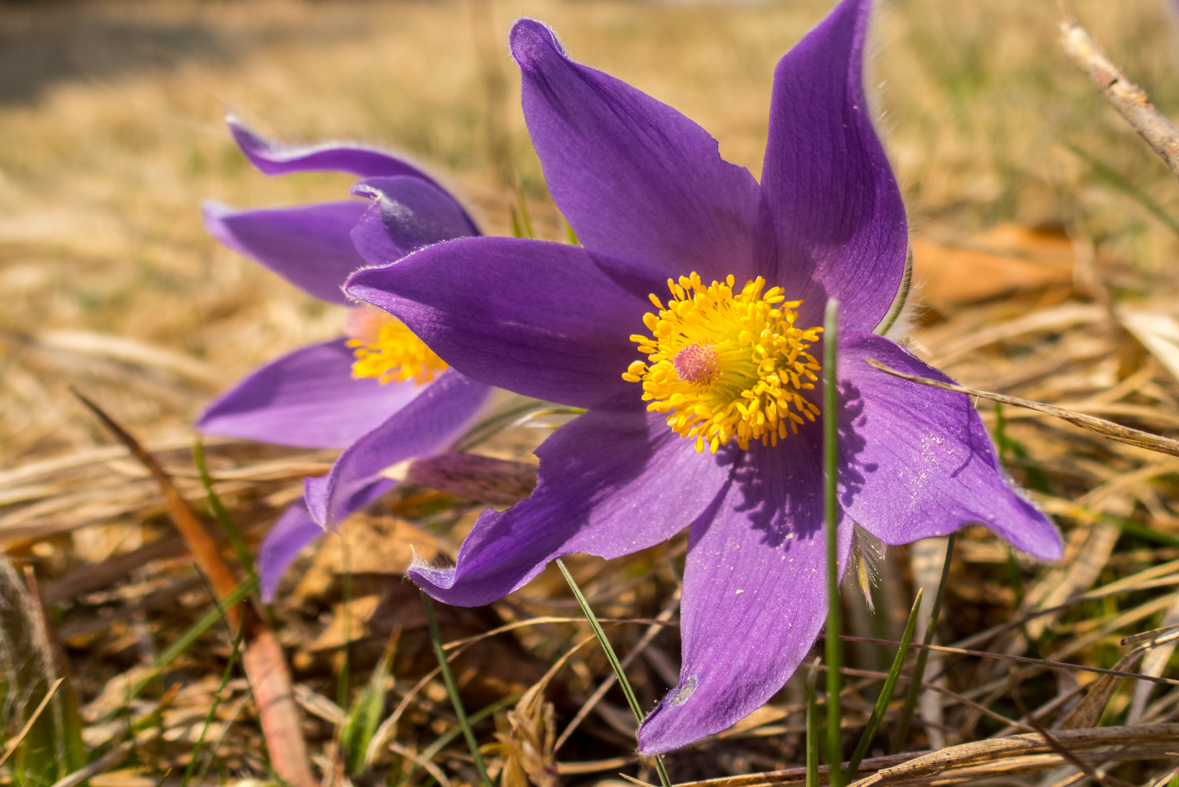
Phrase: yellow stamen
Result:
[386,349]
[727,366]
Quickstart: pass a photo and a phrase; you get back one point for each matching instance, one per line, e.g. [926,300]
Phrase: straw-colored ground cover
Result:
[1045,243]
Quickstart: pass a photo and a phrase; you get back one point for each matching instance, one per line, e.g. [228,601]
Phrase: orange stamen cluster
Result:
[727,365]
[387,350]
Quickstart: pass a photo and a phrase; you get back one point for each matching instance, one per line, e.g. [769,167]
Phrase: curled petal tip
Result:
[531,40]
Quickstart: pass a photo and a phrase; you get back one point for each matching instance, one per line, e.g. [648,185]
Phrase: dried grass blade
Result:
[1123,434]
[1045,663]
[103,763]
[1088,713]
[24,731]
[992,756]
[1069,757]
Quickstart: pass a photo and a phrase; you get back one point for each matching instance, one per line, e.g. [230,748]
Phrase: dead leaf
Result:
[1005,258]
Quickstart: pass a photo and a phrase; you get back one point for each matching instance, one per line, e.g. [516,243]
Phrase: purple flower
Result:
[379,391]
[692,312]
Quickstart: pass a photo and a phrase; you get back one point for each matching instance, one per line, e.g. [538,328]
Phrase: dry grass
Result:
[1030,203]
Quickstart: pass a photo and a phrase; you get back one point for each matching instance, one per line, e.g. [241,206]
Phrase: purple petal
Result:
[755,593]
[837,210]
[307,398]
[274,158]
[541,319]
[431,422]
[287,537]
[636,179]
[310,246]
[610,483]
[917,461]
[406,214]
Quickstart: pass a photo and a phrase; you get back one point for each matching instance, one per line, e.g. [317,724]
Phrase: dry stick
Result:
[1128,99]
[1123,434]
[262,659]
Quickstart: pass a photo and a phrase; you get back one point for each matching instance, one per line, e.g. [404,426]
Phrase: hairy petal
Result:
[436,417]
[538,318]
[636,179]
[307,398]
[274,158]
[405,214]
[917,461]
[287,537]
[837,210]
[310,246]
[755,592]
[610,483]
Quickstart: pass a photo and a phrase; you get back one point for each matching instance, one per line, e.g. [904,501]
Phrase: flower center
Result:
[727,366]
[384,348]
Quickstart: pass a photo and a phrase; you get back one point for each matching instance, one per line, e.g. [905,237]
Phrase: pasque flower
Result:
[377,392]
[688,326]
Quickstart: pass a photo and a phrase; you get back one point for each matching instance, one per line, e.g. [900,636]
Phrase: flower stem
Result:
[612,657]
[919,669]
[831,519]
[452,689]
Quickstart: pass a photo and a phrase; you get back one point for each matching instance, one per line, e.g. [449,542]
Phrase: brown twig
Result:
[1128,99]
[1123,434]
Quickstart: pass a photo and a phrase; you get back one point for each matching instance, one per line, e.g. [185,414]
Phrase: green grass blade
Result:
[366,712]
[525,219]
[890,684]
[922,657]
[831,519]
[612,657]
[219,510]
[225,676]
[193,633]
[452,689]
[812,729]
[444,740]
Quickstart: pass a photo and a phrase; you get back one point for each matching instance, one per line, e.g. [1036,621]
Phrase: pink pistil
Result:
[697,363]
